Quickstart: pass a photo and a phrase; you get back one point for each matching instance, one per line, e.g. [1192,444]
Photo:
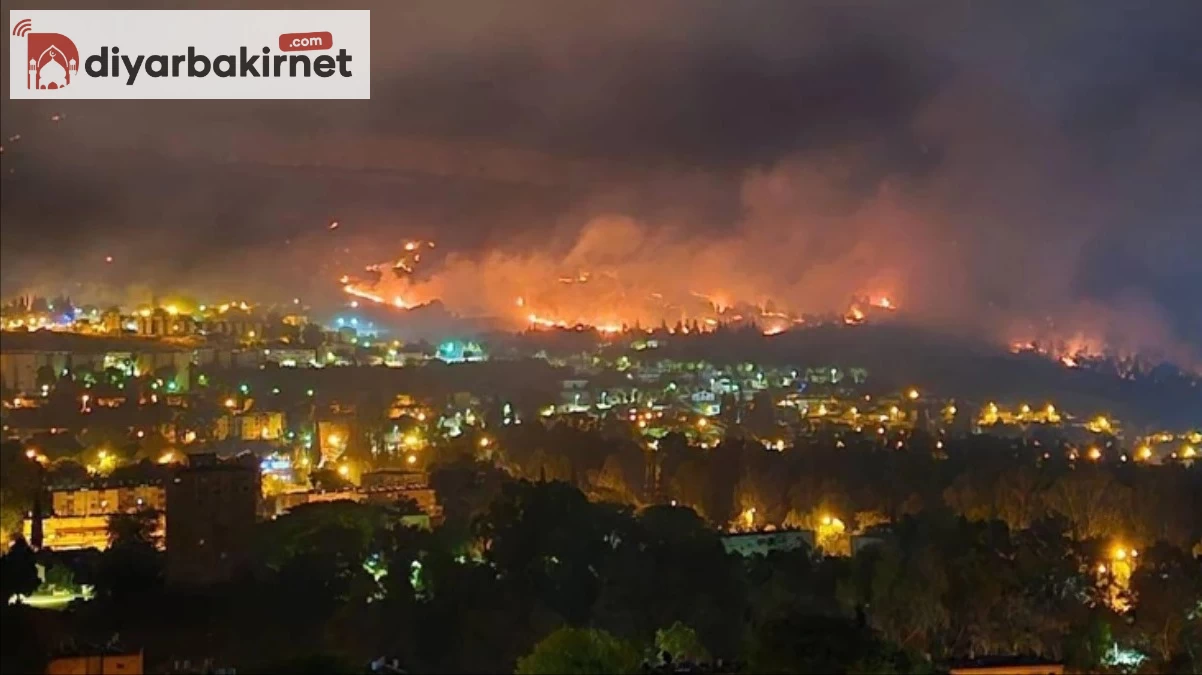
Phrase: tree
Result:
[1167,585]
[1093,502]
[568,651]
[18,571]
[670,566]
[817,644]
[680,643]
[312,335]
[18,485]
[46,377]
[132,529]
[610,481]
[131,565]
[59,577]
[323,548]
[547,540]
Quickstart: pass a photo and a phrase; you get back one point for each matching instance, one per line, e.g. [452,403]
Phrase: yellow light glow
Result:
[749,517]
[913,394]
[1095,454]
[230,403]
[172,310]
[167,457]
[1145,453]
[701,423]
[344,470]
[411,459]
[484,442]
[334,439]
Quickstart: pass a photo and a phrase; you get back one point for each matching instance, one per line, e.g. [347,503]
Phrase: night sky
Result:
[1019,160]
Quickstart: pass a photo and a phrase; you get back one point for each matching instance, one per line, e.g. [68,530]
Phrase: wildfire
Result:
[537,321]
[358,292]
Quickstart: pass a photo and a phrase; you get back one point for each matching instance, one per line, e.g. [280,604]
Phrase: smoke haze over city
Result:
[1024,172]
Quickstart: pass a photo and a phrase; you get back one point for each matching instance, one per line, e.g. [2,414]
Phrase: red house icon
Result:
[53,61]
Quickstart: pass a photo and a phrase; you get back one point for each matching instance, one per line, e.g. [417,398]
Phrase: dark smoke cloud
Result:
[990,164]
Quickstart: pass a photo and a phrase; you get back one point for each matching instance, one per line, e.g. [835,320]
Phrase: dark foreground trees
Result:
[540,579]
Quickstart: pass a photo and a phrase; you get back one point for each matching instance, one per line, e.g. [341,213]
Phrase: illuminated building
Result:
[23,355]
[236,324]
[425,497]
[574,396]
[384,486]
[454,351]
[394,478]
[72,533]
[96,664]
[108,500]
[1006,665]
[162,323]
[333,438]
[291,358]
[79,518]
[747,544]
[213,505]
[250,426]
[111,322]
